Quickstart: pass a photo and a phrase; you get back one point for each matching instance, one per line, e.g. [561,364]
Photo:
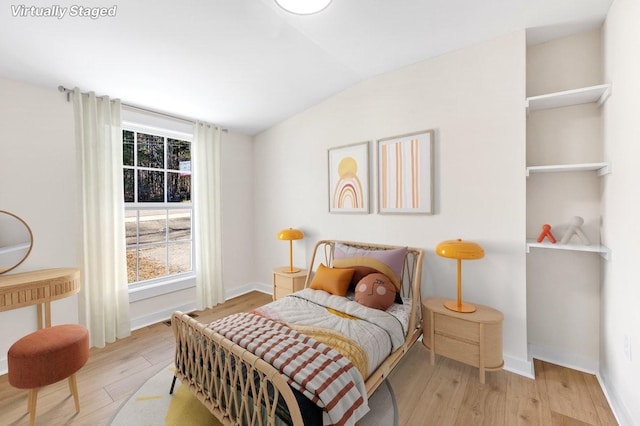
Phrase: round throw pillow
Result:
[376,291]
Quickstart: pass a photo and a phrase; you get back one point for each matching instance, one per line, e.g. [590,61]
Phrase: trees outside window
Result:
[158,205]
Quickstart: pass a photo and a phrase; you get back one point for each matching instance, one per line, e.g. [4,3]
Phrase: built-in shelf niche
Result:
[599,94]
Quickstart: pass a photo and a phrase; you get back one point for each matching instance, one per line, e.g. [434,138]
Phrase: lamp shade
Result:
[459,249]
[290,234]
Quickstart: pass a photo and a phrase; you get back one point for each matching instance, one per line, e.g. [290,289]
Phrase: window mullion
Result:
[166,176]
[137,245]
[166,212]
[135,198]
[135,164]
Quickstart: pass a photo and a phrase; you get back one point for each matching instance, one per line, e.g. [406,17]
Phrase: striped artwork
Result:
[405,173]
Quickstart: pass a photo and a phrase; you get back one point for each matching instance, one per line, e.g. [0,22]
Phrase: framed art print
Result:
[349,178]
[405,173]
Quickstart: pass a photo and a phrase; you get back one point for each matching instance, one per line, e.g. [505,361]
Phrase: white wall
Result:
[474,99]
[38,182]
[563,287]
[620,315]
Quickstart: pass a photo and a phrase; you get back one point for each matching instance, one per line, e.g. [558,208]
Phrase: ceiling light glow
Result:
[303,7]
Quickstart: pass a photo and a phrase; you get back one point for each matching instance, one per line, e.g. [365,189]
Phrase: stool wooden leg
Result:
[33,397]
[73,387]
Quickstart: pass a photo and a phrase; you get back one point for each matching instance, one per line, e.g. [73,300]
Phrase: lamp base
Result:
[290,270]
[465,308]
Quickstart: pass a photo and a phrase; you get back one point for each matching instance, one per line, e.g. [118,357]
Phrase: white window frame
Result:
[141,290]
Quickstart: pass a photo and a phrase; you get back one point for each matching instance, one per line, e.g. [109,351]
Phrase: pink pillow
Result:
[389,262]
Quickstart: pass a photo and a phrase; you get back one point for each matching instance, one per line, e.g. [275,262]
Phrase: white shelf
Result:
[584,95]
[601,168]
[593,248]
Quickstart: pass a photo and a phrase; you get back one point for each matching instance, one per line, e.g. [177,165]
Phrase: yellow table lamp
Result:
[290,235]
[459,249]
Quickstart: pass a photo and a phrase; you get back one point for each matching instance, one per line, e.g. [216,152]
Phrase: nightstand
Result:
[286,283]
[474,338]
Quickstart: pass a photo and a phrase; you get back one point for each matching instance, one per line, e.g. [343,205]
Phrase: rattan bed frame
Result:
[245,399]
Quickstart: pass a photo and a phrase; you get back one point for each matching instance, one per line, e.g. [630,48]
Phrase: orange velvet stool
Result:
[47,356]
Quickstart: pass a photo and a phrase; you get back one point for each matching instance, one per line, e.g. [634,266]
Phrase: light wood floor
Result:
[447,393]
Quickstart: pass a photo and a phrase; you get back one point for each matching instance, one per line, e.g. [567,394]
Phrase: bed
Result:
[217,362]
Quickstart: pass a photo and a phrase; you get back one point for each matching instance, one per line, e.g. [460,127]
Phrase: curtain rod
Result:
[68,92]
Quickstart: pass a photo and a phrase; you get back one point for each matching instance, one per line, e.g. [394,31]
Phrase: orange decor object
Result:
[290,235]
[546,233]
[459,250]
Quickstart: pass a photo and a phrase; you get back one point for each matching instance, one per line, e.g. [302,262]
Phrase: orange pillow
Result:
[332,280]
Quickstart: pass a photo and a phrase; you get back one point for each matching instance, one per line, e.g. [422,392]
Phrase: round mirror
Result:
[16,241]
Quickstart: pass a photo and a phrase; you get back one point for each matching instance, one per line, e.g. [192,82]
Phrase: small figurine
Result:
[546,232]
[575,229]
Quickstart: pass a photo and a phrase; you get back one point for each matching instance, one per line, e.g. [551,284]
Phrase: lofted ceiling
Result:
[247,64]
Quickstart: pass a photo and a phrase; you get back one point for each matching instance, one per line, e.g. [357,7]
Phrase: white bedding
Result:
[378,332]
[402,311]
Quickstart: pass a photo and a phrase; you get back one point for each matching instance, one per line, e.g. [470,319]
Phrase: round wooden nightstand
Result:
[473,338]
[287,282]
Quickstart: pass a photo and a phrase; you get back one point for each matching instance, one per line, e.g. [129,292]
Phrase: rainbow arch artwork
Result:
[348,178]
[348,193]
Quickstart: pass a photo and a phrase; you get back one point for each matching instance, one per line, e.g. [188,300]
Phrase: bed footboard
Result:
[238,387]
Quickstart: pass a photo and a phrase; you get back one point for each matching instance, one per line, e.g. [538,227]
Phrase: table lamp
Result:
[290,235]
[459,249]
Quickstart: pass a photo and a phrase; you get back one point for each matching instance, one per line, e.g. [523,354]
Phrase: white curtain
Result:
[104,298]
[206,149]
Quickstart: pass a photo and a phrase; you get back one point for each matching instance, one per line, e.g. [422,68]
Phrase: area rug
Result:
[151,405]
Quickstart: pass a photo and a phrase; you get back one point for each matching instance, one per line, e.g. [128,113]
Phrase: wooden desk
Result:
[38,288]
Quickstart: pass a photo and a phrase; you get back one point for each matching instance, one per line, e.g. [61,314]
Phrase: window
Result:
[158,207]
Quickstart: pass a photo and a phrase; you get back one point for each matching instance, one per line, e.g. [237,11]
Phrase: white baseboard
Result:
[569,360]
[620,411]
[519,366]
[262,288]
[159,316]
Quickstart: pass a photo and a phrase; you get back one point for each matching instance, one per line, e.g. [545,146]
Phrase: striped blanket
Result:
[313,368]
